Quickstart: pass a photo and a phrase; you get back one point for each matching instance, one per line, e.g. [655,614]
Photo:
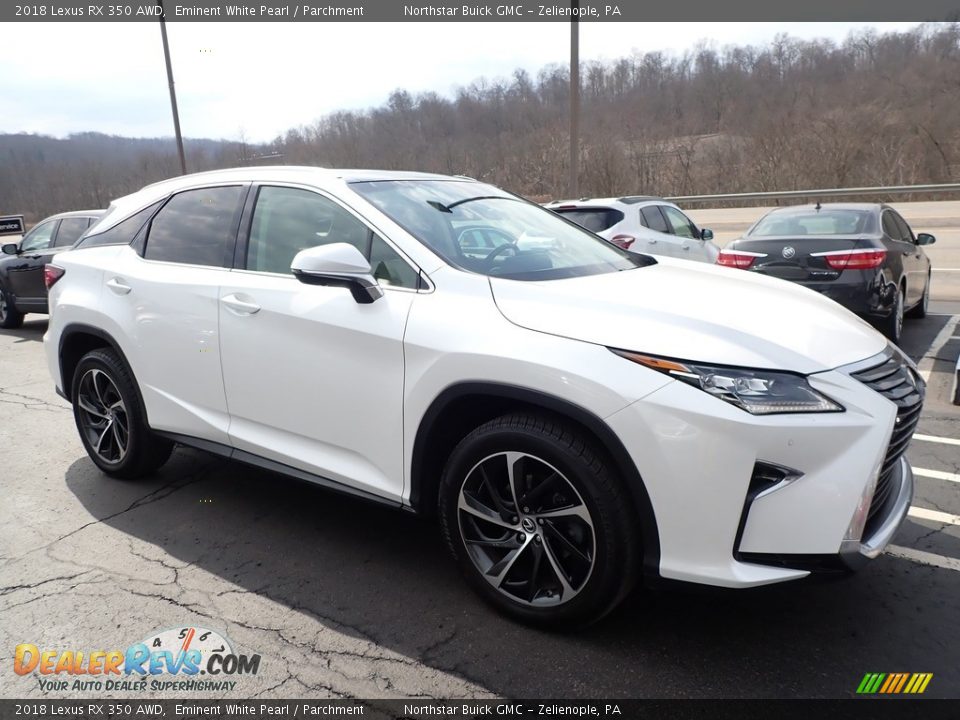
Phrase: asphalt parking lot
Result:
[342,598]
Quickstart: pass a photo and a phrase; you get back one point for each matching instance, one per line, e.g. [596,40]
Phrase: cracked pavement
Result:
[346,599]
[92,563]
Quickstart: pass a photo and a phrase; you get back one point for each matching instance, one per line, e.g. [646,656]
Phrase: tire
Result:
[110,418]
[514,559]
[920,311]
[10,317]
[892,326]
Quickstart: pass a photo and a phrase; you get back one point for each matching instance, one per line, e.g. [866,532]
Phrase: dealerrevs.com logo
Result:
[189,658]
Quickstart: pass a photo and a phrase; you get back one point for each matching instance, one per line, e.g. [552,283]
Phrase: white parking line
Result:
[936,439]
[933,515]
[943,337]
[945,269]
[923,557]
[936,474]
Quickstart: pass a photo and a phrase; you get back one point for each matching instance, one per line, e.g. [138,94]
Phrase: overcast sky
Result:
[261,79]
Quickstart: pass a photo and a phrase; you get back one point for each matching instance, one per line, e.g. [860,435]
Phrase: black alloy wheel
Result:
[110,418]
[539,521]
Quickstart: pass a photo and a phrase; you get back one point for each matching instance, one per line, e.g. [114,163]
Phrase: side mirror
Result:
[706,234]
[922,239]
[337,265]
[10,249]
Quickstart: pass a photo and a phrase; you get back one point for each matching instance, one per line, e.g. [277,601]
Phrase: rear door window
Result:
[593,219]
[197,227]
[653,219]
[70,231]
[890,226]
[905,232]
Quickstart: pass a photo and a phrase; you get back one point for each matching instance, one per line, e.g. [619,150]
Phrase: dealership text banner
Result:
[399,11]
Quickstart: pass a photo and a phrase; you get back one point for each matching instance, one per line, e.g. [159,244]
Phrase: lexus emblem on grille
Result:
[789,252]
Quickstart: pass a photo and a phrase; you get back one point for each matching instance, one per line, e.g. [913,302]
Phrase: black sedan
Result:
[22,287]
[864,256]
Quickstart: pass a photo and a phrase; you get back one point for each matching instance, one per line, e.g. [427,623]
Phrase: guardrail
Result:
[835,192]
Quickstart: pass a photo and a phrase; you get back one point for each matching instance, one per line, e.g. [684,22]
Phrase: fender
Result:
[420,490]
[74,329]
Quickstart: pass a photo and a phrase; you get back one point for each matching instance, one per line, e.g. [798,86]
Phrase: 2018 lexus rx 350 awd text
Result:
[576,415]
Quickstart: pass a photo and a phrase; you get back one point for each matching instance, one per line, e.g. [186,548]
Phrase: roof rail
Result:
[634,199]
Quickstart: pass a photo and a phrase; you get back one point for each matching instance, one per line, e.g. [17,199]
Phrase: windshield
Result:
[485,230]
[816,222]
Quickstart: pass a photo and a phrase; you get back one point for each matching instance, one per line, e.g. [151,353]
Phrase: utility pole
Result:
[574,100]
[173,92]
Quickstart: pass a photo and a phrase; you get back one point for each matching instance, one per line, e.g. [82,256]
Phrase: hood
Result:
[694,311]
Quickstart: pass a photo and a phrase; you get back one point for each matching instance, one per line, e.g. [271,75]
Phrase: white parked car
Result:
[642,224]
[576,414]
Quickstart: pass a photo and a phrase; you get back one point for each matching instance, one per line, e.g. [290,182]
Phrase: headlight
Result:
[759,392]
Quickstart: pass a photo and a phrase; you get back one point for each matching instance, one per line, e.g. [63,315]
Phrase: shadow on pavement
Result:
[385,575]
[32,330]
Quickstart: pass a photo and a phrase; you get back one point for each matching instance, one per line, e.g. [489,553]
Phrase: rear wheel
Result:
[10,317]
[920,311]
[111,420]
[538,521]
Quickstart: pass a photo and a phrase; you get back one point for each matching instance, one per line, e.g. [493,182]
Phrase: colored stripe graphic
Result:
[894,683]
[891,680]
[901,682]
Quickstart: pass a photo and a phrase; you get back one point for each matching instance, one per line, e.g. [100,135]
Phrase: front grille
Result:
[893,378]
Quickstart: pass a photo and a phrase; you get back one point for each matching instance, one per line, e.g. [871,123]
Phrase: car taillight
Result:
[738,258]
[853,259]
[52,273]
[623,241]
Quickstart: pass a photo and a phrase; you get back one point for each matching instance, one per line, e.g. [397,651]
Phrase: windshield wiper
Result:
[437,205]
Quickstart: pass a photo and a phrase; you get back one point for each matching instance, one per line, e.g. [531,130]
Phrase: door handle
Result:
[118,286]
[238,306]
[907,253]
[652,241]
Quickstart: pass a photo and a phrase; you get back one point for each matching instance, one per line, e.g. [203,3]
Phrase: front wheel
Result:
[110,418]
[539,522]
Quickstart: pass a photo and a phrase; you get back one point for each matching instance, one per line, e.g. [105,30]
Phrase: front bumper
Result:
[698,457]
[853,554]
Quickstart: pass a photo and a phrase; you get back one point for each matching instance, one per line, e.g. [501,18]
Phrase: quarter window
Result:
[123,232]
[196,227]
[288,220]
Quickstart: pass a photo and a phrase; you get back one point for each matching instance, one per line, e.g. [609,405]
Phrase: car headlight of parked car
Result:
[759,392]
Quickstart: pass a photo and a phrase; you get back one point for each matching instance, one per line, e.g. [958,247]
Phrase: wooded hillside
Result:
[873,110]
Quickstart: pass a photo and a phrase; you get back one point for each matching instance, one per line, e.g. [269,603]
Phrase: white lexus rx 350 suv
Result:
[576,415]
